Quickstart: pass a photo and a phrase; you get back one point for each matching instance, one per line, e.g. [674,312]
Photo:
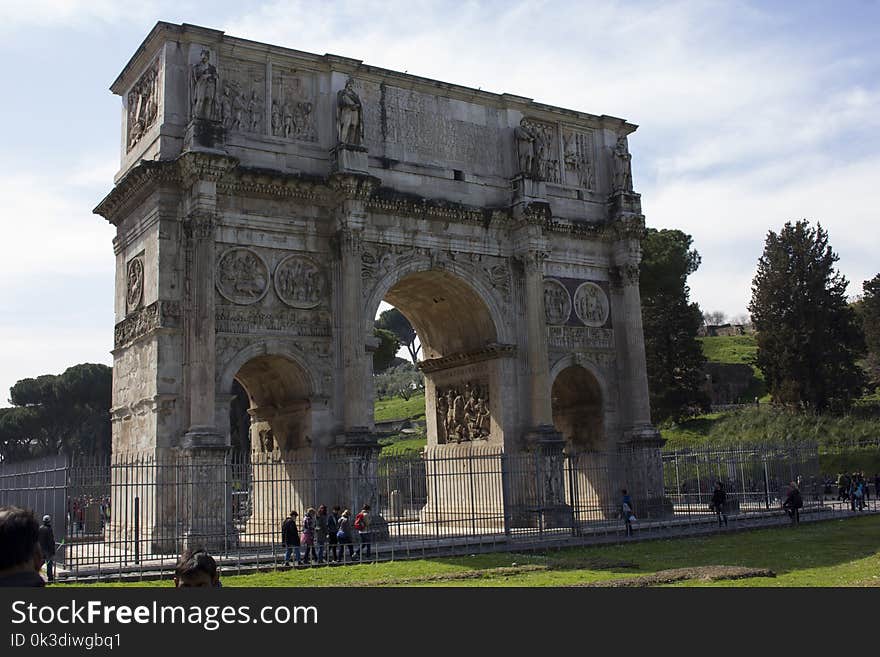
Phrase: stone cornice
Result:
[134,186]
[490,352]
[196,165]
[268,182]
[353,186]
[388,201]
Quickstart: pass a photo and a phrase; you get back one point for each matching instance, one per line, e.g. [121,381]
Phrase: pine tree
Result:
[808,337]
[870,307]
[674,356]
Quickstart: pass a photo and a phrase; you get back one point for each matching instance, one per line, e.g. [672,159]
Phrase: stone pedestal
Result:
[205,508]
[349,158]
[204,135]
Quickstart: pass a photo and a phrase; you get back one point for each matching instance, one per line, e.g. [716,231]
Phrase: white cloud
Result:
[17,14]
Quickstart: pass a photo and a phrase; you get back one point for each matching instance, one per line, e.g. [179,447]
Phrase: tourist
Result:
[321,528]
[290,538]
[793,503]
[308,536]
[362,525]
[343,535]
[196,569]
[626,511]
[719,502]
[47,545]
[20,554]
[332,528]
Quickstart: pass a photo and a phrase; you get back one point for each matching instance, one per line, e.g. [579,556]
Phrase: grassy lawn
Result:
[730,349]
[398,408]
[831,553]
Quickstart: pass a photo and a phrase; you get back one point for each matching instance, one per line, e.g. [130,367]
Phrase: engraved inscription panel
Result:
[432,128]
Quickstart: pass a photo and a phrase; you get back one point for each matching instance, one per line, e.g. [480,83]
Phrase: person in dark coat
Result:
[793,503]
[290,538]
[47,545]
[719,502]
[20,554]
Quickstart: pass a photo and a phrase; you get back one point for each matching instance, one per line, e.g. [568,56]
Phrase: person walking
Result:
[308,536]
[362,525]
[793,503]
[47,545]
[626,510]
[321,530]
[343,535]
[290,538]
[332,528]
[719,502]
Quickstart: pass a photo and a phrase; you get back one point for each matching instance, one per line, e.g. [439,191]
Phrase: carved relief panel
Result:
[545,150]
[242,97]
[134,283]
[463,412]
[292,115]
[242,275]
[574,302]
[591,304]
[300,282]
[578,158]
[142,105]
[557,302]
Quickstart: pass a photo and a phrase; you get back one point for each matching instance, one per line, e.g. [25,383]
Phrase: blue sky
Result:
[750,114]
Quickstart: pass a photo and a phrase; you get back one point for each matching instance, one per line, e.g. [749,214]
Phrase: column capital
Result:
[624,275]
[198,166]
[349,186]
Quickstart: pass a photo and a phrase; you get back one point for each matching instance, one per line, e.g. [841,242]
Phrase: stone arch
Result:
[280,388]
[450,277]
[579,402]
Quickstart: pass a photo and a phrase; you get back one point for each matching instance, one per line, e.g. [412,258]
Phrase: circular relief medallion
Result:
[242,276]
[591,304]
[300,282]
[557,302]
[134,292]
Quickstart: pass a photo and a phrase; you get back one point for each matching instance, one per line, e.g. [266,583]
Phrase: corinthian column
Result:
[626,280]
[539,368]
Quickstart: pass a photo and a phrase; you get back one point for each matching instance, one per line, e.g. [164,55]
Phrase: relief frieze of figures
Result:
[537,150]
[142,104]
[589,304]
[292,112]
[463,412]
[159,314]
[579,338]
[578,158]
[234,319]
[242,98]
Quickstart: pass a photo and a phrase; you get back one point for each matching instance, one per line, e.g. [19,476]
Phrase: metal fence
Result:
[140,512]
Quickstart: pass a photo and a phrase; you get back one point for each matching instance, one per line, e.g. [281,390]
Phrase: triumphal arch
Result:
[269,199]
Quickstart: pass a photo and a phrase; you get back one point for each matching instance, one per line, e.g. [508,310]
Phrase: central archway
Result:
[468,376]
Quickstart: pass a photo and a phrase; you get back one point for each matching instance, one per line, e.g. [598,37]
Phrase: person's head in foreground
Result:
[20,555]
[196,569]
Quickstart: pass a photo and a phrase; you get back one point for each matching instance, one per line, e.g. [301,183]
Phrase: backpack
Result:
[359,522]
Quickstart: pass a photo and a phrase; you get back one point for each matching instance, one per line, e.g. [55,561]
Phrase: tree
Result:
[394,321]
[386,353]
[66,413]
[674,356]
[870,316]
[714,318]
[808,337]
[400,381]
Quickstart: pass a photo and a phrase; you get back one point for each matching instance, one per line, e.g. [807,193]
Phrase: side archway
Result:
[578,406]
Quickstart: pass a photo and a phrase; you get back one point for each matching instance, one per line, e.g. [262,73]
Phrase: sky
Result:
[751,114]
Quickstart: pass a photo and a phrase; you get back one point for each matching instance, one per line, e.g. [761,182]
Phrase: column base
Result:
[203,437]
[528,190]
[543,436]
[644,435]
